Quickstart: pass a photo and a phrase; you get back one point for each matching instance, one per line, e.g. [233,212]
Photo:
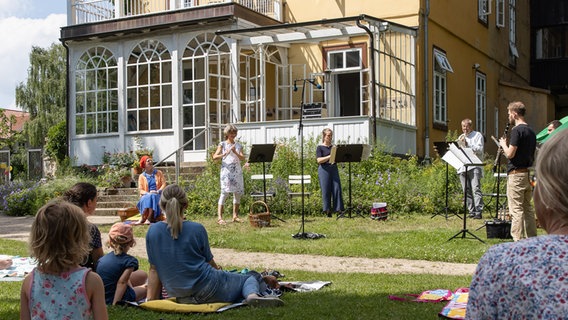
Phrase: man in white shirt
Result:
[475,141]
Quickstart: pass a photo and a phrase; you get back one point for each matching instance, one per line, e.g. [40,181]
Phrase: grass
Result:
[351,296]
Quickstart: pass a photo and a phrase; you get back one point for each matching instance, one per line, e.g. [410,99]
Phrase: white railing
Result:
[88,11]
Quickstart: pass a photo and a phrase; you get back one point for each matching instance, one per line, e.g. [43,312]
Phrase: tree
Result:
[43,94]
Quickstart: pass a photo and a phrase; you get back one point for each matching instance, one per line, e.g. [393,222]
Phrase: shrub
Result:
[18,198]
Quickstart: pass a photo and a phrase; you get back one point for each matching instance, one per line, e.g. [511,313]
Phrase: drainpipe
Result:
[67,116]
[373,77]
[426,86]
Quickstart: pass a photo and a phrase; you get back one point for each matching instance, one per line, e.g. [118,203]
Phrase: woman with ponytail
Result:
[181,261]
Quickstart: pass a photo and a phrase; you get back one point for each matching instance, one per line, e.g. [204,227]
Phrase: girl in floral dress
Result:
[231,153]
[58,288]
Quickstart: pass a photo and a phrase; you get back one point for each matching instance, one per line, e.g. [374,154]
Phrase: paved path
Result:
[18,228]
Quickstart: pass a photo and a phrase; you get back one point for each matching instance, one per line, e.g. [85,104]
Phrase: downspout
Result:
[67,116]
[373,77]
[426,87]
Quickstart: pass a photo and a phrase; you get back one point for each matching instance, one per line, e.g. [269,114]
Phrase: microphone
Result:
[318,86]
[295,87]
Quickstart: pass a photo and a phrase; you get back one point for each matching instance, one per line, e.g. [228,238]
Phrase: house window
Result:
[483,10]
[441,67]
[552,43]
[96,97]
[344,60]
[205,88]
[514,54]
[149,87]
[500,13]
[480,102]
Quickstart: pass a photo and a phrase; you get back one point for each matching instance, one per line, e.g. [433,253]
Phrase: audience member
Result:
[181,260]
[527,279]
[58,288]
[119,270]
[84,195]
[553,125]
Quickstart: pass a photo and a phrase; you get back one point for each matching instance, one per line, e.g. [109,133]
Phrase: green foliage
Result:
[43,94]
[18,198]
[407,186]
[56,146]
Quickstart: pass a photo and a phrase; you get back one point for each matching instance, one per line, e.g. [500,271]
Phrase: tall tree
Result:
[43,94]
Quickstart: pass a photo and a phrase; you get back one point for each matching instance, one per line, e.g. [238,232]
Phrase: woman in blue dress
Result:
[150,184]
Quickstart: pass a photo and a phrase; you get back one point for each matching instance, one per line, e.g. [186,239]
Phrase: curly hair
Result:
[59,237]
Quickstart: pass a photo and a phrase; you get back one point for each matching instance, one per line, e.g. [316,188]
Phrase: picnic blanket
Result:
[21,266]
[456,308]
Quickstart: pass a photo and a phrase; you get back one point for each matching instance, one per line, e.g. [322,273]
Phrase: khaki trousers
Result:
[519,196]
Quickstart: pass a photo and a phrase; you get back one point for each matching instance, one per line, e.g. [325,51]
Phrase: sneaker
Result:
[264,302]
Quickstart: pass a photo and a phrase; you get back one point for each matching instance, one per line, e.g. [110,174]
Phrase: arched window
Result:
[205,87]
[96,97]
[149,87]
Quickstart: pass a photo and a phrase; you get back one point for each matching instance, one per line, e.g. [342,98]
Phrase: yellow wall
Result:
[453,26]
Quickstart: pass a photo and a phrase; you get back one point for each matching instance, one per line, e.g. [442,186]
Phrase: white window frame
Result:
[480,102]
[344,53]
[441,67]
[483,10]
[96,93]
[512,29]
[500,13]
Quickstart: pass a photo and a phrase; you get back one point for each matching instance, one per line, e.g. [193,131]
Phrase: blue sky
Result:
[23,24]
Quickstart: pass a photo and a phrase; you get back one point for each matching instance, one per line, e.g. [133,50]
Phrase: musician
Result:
[520,154]
[474,140]
[328,175]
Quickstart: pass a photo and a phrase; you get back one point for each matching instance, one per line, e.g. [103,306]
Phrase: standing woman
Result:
[328,176]
[150,184]
[84,196]
[231,153]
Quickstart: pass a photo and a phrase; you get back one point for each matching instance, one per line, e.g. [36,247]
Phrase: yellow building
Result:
[404,72]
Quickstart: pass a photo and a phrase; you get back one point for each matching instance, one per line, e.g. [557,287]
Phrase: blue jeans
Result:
[229,287]
[330,185]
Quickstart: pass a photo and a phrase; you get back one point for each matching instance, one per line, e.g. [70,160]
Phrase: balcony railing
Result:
[88,11]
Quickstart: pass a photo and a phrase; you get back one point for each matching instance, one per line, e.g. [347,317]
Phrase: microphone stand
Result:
[302,234]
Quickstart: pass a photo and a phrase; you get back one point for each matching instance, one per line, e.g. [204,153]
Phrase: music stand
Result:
[442,147]
[348,153]
[456,155]
[263,153]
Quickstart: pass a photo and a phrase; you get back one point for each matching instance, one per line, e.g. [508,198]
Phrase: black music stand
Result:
[263,153]
[468,159]
[442,147]
[349,153]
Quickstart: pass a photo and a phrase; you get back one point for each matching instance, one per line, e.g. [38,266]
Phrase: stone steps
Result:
[109,201]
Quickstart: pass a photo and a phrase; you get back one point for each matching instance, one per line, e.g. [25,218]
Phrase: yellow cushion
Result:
[170,305]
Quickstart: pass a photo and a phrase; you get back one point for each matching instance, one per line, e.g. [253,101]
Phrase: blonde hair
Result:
[323,132]
[59,238]
[552,173]
[120,245]
[173,202]
[230,128]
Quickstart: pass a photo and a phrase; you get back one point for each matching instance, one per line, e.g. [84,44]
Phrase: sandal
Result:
[237,219]
[221,222]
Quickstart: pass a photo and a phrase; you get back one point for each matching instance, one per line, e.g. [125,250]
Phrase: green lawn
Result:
[351,296]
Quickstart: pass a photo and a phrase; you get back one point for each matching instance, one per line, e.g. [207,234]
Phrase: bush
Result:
[18,198]
[56,146]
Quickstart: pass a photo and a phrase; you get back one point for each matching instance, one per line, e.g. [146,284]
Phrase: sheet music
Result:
[458,157]
[332,154]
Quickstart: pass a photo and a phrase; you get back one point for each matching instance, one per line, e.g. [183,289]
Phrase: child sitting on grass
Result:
[58,288]
[119,270]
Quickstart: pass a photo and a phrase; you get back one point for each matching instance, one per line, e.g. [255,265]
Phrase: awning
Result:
[311,31]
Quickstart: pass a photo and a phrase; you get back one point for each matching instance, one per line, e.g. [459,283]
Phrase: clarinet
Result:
[500,149]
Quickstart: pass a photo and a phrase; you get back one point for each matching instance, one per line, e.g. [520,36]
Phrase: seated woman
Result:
[150,184]
[181,260]
[527,279]
[84,195]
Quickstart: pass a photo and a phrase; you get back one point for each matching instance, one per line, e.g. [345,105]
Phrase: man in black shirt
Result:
[520,152]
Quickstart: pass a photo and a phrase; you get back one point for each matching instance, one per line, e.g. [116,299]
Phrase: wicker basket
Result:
[259,220]
[126,213]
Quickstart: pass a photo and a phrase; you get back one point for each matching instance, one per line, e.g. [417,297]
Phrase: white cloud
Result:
[17,36]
